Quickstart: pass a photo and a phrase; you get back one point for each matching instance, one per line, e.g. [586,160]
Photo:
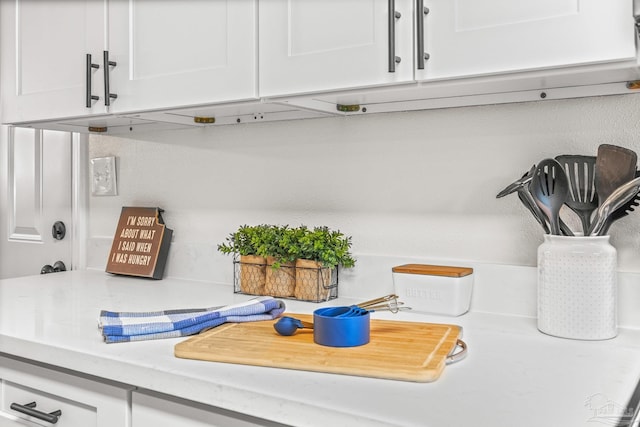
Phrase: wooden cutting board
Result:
[407,351]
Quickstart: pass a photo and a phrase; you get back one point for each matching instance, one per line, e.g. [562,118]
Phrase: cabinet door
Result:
[153,409]
[470,37]
[39,193]
[43,62]
[315,45]
[172,54]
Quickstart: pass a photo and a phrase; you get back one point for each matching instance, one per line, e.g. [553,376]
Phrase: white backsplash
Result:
[415,185]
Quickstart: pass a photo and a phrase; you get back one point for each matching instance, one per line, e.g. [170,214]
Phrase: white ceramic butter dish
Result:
[435,289]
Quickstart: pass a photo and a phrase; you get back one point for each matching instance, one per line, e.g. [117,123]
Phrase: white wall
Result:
[417,184]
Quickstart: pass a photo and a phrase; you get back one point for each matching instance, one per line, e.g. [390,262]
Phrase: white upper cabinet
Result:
[44,58]
[309,46]
[179,53]
[471,37]
[150,56]
[161,54]
[315,45]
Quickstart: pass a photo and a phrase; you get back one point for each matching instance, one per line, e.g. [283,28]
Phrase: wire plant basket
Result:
[255,276]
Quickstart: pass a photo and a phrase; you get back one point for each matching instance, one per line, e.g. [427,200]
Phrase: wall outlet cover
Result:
[103,176]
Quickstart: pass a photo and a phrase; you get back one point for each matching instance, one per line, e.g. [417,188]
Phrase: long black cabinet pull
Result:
[108,96]
[29,409]
[421,11]
[89,70]
[393,15]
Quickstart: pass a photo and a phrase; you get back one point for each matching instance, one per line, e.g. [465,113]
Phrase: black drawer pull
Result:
[28,409]
[89,71]
[108,96]
[393,15]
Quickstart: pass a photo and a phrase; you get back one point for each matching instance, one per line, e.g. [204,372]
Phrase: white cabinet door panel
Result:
[39,182]
[468,37]
[43,63]
[172,54]
[315,45]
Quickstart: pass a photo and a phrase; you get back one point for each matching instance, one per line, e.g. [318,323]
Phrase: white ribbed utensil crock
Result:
[577,287]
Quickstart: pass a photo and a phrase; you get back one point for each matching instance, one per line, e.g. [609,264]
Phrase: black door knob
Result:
[59,230]
[47,269]
[57,266]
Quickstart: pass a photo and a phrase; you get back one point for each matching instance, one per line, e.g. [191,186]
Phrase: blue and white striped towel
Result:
[139,326]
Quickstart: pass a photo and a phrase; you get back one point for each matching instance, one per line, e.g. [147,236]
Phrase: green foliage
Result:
[329,247]
[278,243]
[247,240]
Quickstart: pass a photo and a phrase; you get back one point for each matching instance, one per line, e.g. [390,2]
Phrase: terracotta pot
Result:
[280,282]
[312,280]
[252,274]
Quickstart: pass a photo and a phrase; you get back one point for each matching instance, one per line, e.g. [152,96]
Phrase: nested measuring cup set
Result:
[341,326]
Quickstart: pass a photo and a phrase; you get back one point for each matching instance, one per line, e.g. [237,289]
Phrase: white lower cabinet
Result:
[159,410]
[33,395]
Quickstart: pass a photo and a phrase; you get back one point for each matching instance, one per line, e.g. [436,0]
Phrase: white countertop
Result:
[513,375]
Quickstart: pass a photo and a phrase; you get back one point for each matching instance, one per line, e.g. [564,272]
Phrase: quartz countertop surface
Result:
[513,374]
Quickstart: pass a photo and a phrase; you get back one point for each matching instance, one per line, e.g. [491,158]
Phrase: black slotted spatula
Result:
[583,198]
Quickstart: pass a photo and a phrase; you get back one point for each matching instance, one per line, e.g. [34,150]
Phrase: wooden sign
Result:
[141,243]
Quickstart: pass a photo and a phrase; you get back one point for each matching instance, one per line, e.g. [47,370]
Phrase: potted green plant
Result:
[280,251]
[288,262]
[248,243]
[318,252]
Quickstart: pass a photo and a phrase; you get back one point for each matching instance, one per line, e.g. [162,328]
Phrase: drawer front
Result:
[154,409]
[82,402]
[72,413]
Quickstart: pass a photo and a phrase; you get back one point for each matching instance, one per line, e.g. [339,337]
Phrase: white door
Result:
[470,37]
[179,53]
[315,45]
[44,58]
[38,193]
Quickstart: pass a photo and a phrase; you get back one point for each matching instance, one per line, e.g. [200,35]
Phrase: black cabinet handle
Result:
[29,409]
[89,71]
[108,96]
[421,54]
[393,15]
